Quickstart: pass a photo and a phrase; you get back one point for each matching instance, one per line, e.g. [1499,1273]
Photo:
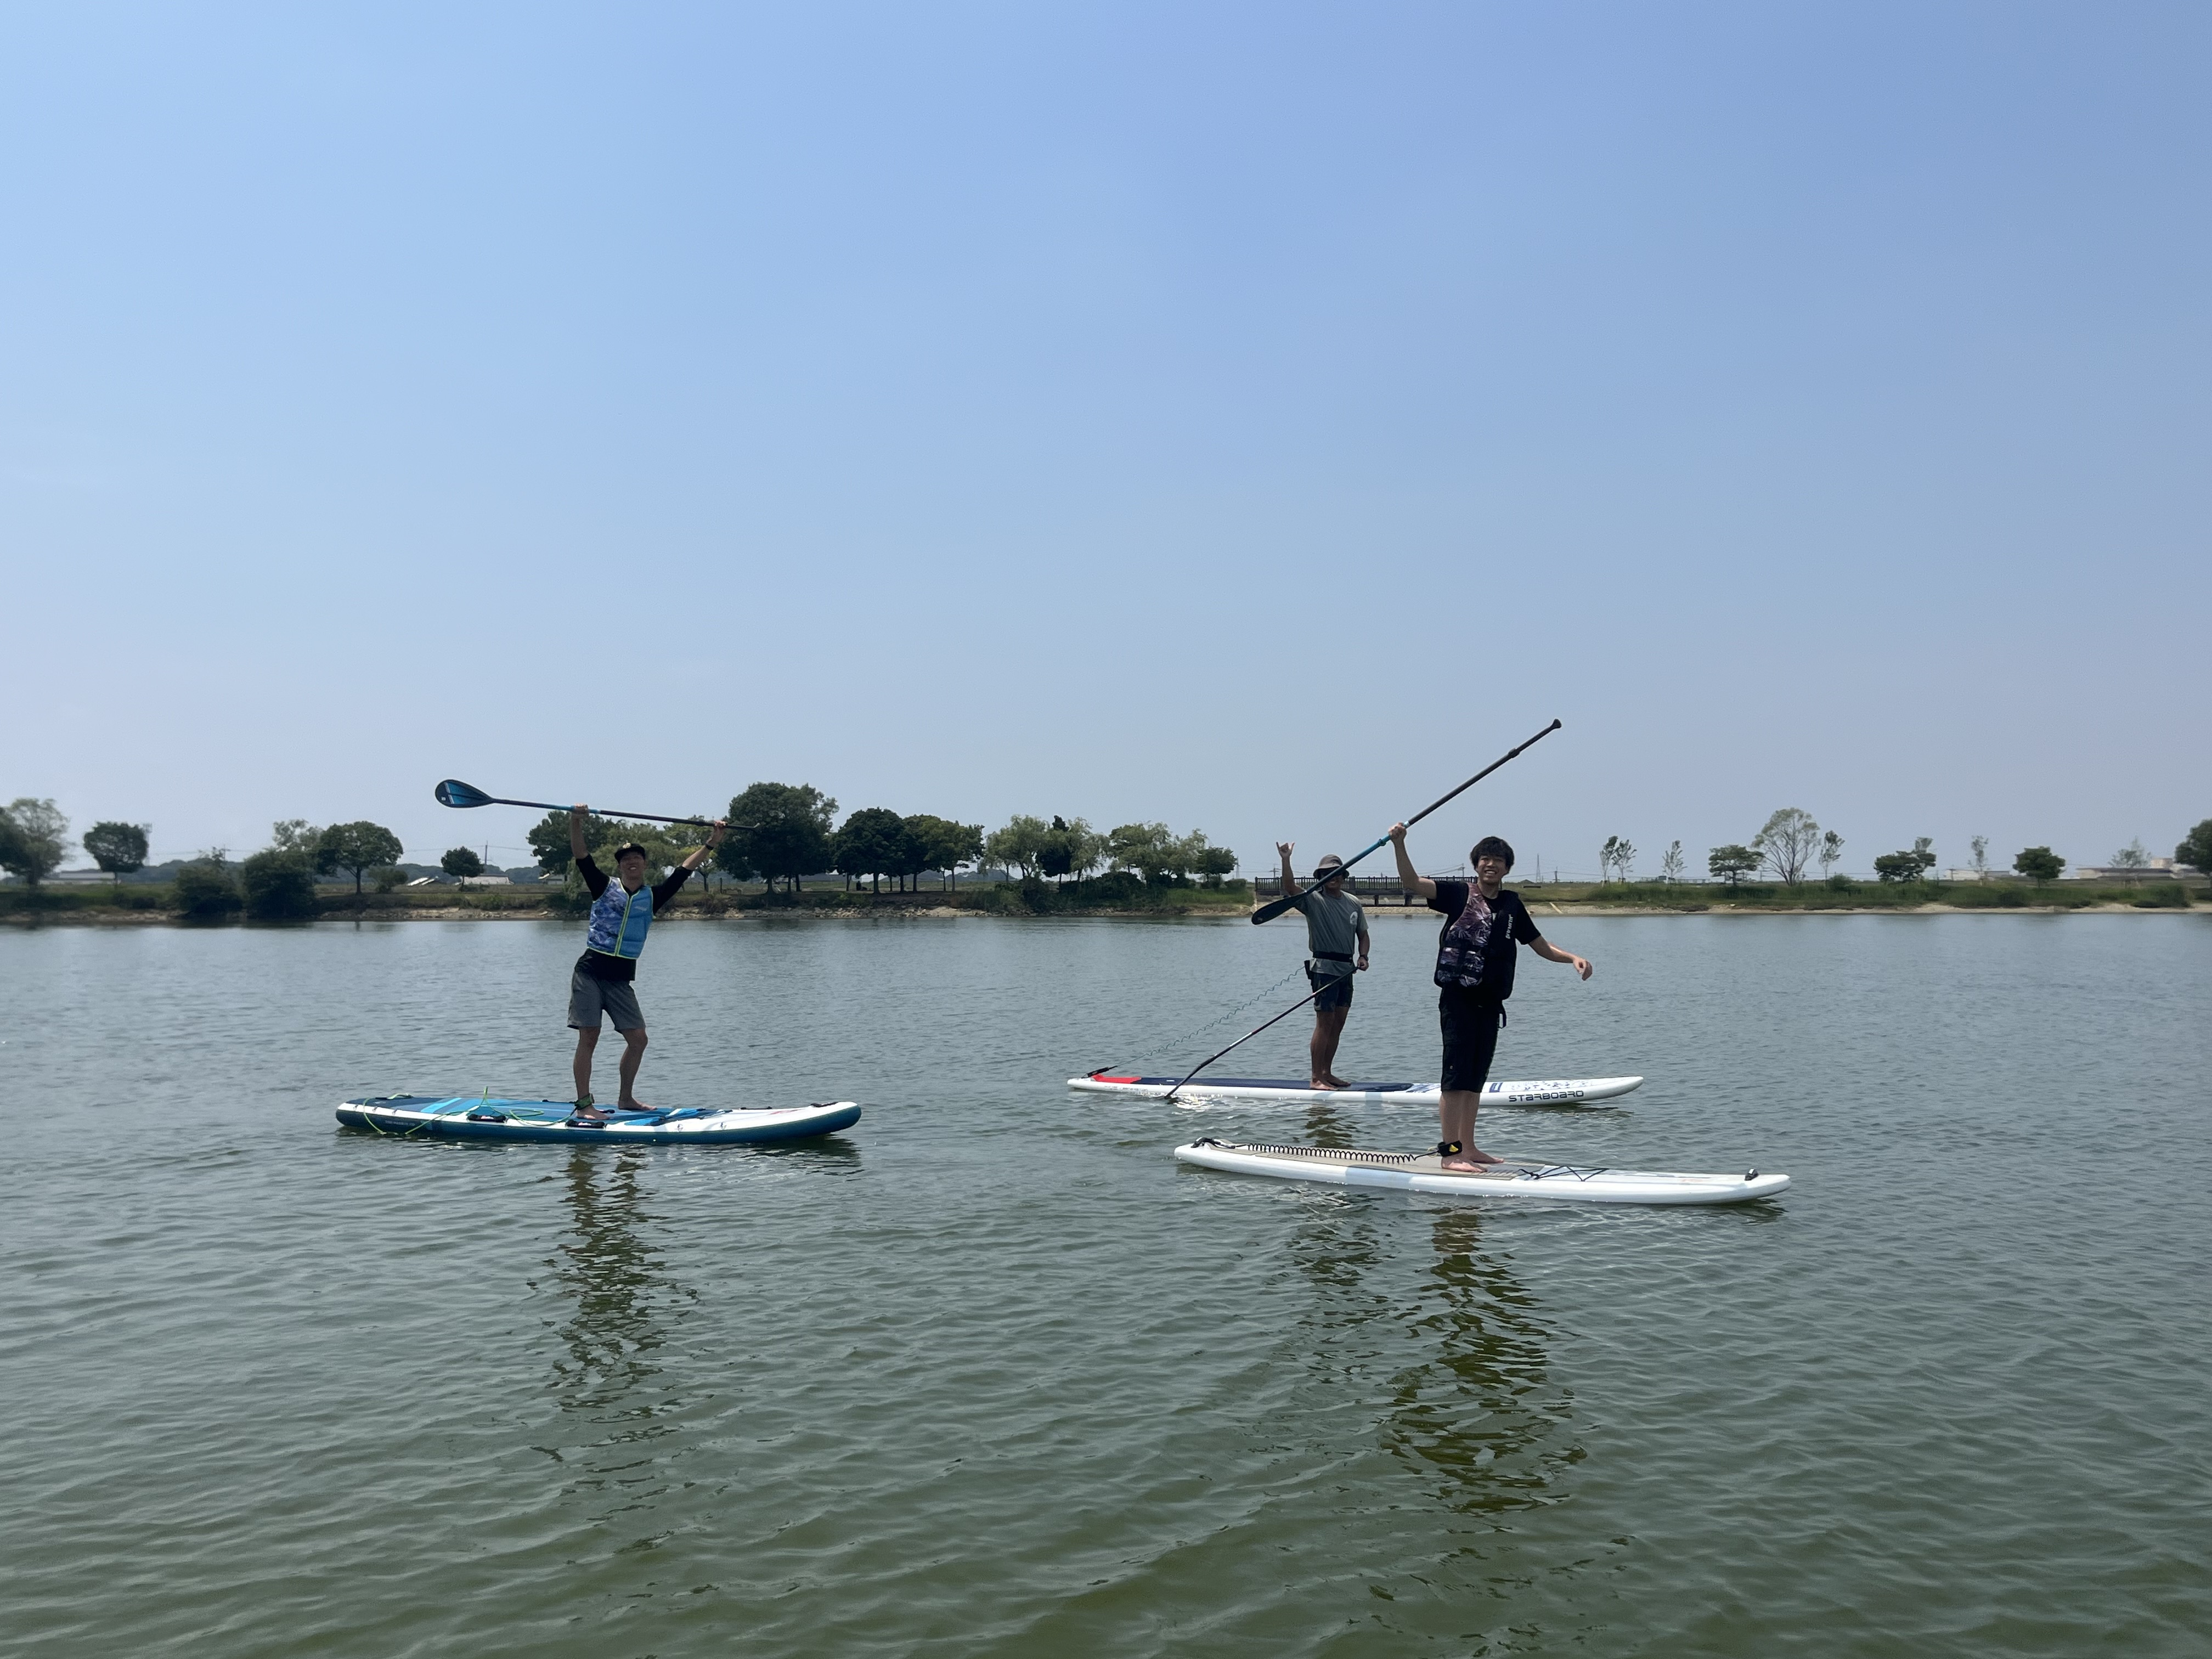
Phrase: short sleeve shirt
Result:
[1491,939]
[1333,924]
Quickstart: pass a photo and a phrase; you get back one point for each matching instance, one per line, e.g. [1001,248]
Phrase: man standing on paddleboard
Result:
[1335,922]
[1475,954]
[622,910]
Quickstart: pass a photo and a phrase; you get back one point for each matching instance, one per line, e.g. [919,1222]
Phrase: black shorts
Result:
[1338,994]
[1470,1026]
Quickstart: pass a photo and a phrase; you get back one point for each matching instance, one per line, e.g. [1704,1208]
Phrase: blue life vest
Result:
[619,919]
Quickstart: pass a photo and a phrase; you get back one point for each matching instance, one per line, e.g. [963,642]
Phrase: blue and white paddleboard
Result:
[1562,1091]
[1515,1177]
[487,1117]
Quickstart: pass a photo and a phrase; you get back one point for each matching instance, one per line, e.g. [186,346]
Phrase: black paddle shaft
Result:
[1250,1035]
[1274,908]
[453,792]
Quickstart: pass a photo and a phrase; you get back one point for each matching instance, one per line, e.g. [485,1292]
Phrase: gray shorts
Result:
[587,996]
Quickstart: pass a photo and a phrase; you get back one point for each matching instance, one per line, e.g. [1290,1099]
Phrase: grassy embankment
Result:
[1107,895]
[1842,894]
[1122,895]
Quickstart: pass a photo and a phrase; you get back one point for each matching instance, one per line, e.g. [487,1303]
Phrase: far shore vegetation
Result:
[787,851]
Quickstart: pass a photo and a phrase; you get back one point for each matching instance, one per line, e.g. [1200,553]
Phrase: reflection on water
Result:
[1481,1409]
[1325,1127]
[617,1281]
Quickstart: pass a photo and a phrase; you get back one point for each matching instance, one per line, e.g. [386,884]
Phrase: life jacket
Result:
[1464,951]
[619,919]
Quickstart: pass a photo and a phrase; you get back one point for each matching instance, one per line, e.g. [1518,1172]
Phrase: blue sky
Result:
[1253,417]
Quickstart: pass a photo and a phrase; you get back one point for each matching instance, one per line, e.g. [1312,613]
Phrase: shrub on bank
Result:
[204,892]
[278,886]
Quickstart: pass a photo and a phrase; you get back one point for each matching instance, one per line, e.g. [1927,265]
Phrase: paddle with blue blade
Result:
[1274,908]
[453,792]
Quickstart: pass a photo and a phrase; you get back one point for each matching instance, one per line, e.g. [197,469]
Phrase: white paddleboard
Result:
[1424,1172]
[1561,1092]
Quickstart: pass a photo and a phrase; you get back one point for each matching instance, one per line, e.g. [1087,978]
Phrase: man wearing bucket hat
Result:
[1336,933]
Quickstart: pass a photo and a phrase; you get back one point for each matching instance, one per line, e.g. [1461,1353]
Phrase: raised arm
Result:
[1290,888]
[698,855]
[1551,952]
[577,814]
[1408,877]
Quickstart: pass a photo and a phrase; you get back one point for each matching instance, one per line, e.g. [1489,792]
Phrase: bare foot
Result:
[1334,1081]
[1473,1161]
[632,1106]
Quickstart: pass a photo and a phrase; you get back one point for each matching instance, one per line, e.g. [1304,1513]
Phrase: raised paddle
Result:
[1274,908]
[453,792]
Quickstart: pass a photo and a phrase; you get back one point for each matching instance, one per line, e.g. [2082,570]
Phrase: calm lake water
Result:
[992,1374]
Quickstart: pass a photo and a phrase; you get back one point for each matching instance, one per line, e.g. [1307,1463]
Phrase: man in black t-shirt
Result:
[1475,954]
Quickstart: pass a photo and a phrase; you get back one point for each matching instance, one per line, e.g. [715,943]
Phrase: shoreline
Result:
[150,918]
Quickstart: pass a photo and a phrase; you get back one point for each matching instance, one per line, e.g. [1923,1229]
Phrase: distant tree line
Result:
[1791,842]
[782,833]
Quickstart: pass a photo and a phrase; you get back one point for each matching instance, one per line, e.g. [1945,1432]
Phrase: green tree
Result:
[945,845]
[549,840]
[294,835]
[204,889]
[461,863]
[32,846]
[1211,863]
[1057,857]
[279,884]
[1980,846]
[356,846]
[1670,863]
[1731,864]
[790,835]
[1789,843]
[2194,849]
[1019,845]
[872,842]
[2132,856]
[1619,853]
[1152,850]
[1831,852]
[1070,848]
[117,848]
[2040,864]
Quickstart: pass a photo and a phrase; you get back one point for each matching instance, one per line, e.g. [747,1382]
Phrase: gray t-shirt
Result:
[1332,923]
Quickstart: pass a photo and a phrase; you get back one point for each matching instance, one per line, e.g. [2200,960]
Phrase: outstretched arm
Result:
[1408,877]
[1551,952]
[699,853]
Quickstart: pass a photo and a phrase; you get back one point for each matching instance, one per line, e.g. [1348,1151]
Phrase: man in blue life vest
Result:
[1336,924]
[622,910]
[1483,923]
